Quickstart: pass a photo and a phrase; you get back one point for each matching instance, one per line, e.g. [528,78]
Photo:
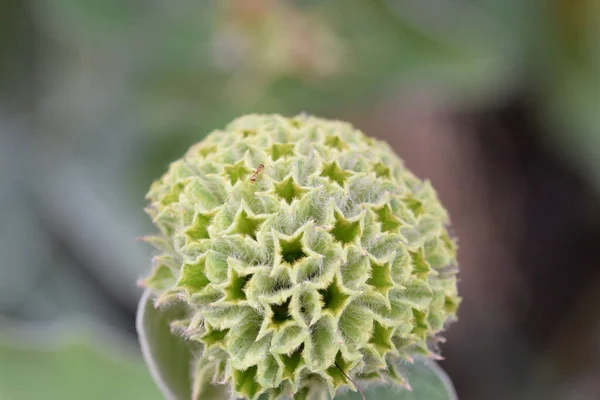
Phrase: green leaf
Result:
[167,356]
[70,364]
[428,381]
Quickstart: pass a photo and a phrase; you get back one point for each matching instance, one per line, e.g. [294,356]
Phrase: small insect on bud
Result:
[255,174]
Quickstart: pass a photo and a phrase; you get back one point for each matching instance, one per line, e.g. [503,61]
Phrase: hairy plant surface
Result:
[305,253]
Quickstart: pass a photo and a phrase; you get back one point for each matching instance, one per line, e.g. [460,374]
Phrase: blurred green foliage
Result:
[76,365]
[559,70]
[194,66]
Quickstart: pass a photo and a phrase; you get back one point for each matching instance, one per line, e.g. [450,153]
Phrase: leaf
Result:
[167,356]
[69,365]
[428,381]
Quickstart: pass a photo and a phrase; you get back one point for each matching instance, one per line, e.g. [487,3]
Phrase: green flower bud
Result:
[309,258]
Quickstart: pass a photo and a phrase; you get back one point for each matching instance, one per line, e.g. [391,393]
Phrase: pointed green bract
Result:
[304,255]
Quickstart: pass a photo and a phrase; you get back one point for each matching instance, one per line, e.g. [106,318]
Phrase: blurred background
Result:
[497,102]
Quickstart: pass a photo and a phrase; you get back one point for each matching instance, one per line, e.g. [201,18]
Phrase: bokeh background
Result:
[497,102]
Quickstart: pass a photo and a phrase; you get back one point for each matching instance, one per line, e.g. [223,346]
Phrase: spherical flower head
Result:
[308,257]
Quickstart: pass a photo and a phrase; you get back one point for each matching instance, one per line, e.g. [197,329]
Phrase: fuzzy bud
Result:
[306,253]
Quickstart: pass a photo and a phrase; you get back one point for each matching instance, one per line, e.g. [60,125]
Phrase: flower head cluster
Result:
[305,252]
